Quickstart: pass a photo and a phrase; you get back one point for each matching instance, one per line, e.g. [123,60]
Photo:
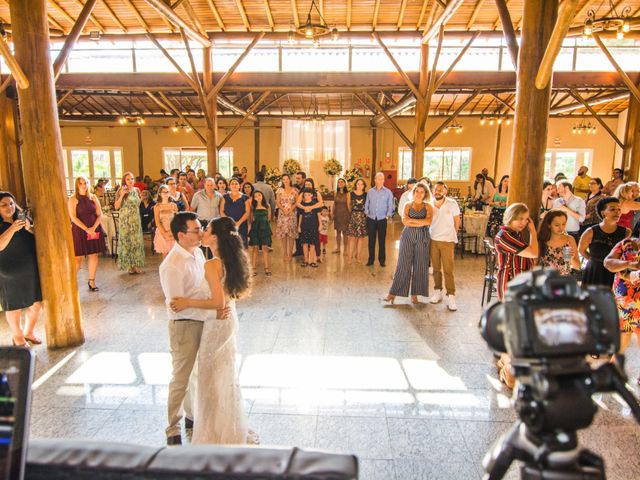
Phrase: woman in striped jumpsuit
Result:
[413,257]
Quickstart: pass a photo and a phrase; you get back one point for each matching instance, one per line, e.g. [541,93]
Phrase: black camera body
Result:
[546,315]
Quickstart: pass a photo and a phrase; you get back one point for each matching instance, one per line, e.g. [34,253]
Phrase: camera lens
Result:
[491,327]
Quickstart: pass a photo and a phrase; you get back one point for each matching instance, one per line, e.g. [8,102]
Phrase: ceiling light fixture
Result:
[455,126]
[311,29]
[618,22]
[583,127]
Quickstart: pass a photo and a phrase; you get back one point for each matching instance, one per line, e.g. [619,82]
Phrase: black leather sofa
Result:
[93,460]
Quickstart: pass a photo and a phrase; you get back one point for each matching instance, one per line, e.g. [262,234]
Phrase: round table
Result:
[475,223]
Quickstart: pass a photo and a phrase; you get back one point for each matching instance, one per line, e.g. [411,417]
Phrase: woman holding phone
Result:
[19,277]
[130,241]
[86,228]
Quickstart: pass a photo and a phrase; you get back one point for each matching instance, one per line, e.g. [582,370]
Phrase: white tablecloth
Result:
[109,228]
[475,224]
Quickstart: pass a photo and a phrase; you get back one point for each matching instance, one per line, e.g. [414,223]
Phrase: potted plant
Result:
[351,175]
[291,166]
[332,167]
[272,177]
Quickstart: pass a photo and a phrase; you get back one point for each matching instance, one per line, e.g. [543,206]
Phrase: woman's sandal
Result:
[304,264]
[35,340]
[267,272]
[314,265]
[94,288]
[255,272]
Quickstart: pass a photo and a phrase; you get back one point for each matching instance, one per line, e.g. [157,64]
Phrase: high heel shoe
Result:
[26,344]
[94,288]
[388,300]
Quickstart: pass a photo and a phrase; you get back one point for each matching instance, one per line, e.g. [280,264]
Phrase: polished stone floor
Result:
[323,364]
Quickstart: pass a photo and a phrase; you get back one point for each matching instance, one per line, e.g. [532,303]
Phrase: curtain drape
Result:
[312,143]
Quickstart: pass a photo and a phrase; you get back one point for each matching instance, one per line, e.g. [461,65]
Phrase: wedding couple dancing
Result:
[200,297]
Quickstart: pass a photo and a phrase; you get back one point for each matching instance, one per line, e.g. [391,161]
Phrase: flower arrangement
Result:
[332,167]
[291,166]
[272,177]
[351,175]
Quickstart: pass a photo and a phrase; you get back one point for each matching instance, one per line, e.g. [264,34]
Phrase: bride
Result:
[219,412]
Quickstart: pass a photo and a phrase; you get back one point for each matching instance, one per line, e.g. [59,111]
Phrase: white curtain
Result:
[311,143]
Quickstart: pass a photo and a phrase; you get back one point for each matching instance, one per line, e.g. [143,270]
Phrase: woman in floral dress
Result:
[357,228]
[624,260]
[287,224]
[130,241]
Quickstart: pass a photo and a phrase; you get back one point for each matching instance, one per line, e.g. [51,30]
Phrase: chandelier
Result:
[618,22]
[583,127]
[311,29]
[493,120]
[177,126]
[125,119]
[455,126]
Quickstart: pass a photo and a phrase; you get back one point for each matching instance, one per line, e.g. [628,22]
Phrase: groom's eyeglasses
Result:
[195,231]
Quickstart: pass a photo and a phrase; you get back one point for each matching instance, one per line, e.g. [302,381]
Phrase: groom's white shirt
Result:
[181,275]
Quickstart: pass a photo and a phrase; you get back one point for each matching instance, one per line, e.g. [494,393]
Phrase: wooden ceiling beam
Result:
[508,31]
[164,10]
[474,14]
[196,81]
[348,15]
[451,118]
[579,98]
[14,67]
[423,10]
[114,17]
[55,23]
[566,14]
[173,62]
[382,111]
[71,40]
[403,6]
[376,10]
[218,86]
[294,13]
[446,73]
[137,14]
[191,14]
[216,14]
[91,17]
[267,9]
[502,102]
[62,11]
[625,78]
[397,66]
[178,113]
[65,96]
[444,17]
[250,111]
[243,14]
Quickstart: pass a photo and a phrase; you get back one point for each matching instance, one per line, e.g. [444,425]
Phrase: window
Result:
[439,163]
[567,161]
[92,163]
[196,158]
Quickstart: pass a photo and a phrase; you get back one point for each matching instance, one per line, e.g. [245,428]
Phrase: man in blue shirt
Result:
[378,207]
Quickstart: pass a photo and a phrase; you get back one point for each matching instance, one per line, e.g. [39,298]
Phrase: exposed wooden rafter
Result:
[164,10]
[474,14]
[267,9]
[62,11]
[403,6]
[382,111]
[243,14]
[216,14]
[137,14]
[14,67]
[423,10]
[348,14]
[294,12]
[191,14]
[376,10]
[444,17]
[625,78]
[196,80]
[450,119]
[250,111]
[574,93]
[508,31]
[114,17]
[397,66]
[91,17]
[73,36]
[446,73]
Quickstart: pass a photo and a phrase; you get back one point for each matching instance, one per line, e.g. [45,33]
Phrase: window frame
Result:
[404,152]
[70,177]
[580,160]
[226,152]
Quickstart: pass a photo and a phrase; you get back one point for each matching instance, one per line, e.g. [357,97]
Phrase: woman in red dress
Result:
[86,228]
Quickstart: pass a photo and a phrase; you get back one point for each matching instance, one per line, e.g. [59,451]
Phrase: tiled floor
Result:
[323,364]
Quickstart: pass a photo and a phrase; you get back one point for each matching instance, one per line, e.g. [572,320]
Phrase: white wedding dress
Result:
[219,411]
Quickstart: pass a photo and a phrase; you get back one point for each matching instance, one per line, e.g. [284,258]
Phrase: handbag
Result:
[95,236]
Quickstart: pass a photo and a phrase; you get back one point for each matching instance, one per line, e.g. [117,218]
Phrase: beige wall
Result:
[481,139]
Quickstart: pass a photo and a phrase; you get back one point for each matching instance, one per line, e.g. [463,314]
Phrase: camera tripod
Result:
[553,403]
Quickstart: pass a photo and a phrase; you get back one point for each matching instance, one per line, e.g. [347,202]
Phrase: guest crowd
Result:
[586,228]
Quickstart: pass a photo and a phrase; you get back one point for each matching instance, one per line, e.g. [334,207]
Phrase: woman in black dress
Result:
[19,278]
[598,241]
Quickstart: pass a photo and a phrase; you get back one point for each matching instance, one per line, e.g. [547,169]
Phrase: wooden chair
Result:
[490,278]
[465,239]
[114,240]
[453,192]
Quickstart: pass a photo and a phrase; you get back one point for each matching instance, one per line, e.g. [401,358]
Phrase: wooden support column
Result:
[256,146]
[508,31]
[421,115]
[140,152]
[211,104]
[73,37]
[44,175]
[532,106]
[11,177]
[631,151]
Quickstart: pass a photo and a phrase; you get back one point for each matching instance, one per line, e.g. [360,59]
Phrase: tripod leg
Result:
[498,460]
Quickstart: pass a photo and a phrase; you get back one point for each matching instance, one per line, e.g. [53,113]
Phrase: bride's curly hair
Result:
[237,271]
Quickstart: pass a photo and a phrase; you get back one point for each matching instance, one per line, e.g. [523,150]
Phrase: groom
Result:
[181,275]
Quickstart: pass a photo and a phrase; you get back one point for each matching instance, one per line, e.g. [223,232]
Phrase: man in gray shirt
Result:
[572,205]
[267,192]
[206,203]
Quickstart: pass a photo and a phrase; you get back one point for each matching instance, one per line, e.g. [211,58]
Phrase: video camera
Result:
[546,315]
[548,325]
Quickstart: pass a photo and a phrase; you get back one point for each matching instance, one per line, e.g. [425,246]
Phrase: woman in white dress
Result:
[219,412]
